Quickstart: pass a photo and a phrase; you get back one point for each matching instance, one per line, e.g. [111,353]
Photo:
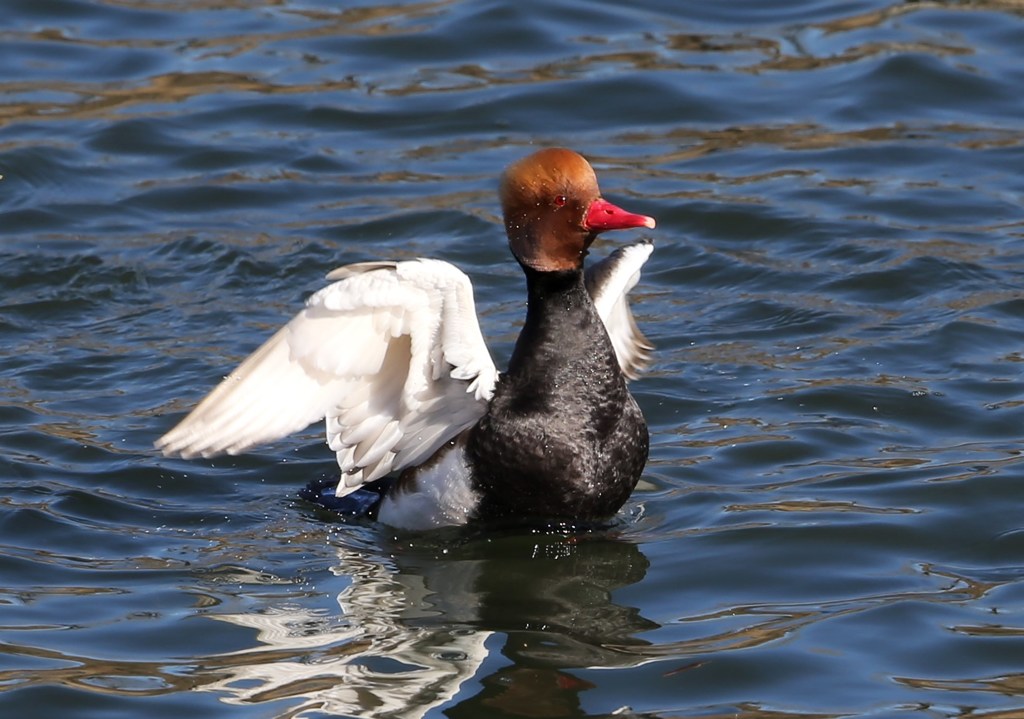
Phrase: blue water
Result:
[831,521]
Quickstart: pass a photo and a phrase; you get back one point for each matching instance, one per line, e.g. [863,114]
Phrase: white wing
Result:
[391,355]
[609,281]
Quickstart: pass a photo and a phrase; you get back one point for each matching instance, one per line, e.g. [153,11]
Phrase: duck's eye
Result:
[560,201]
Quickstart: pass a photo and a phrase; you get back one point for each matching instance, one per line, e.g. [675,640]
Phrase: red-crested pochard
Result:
[392,355]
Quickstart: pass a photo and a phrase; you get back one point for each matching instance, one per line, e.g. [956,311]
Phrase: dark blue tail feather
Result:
[363,502]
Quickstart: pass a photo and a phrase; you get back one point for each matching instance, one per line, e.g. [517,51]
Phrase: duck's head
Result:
[553,210]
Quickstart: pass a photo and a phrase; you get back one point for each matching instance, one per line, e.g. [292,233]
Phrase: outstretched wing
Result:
[391,354]
[609,281]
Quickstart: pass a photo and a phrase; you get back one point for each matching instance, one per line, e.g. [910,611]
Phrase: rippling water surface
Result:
[831,522]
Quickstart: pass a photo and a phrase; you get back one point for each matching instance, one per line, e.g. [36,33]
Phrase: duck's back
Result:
[562,437]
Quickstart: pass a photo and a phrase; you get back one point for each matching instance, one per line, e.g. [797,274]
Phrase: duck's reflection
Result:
[493,624]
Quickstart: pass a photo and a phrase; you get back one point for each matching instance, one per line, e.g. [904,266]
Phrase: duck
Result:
[391,356]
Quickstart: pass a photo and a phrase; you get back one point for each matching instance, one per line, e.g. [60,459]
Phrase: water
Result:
[831,521]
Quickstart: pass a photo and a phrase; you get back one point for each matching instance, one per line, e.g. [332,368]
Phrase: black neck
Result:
[558,307]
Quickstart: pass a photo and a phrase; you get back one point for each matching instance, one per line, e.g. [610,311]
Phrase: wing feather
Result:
[391,354]
[609,282]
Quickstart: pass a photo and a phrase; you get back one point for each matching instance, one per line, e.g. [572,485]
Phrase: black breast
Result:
[562,438]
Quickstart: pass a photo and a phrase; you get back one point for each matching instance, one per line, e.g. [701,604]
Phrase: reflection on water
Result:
[412,632]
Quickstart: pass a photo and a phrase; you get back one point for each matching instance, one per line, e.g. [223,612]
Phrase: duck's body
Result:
[392,355]
[562,436]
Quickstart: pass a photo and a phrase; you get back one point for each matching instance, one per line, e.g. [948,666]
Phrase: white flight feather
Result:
[391,354]
[609,282]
